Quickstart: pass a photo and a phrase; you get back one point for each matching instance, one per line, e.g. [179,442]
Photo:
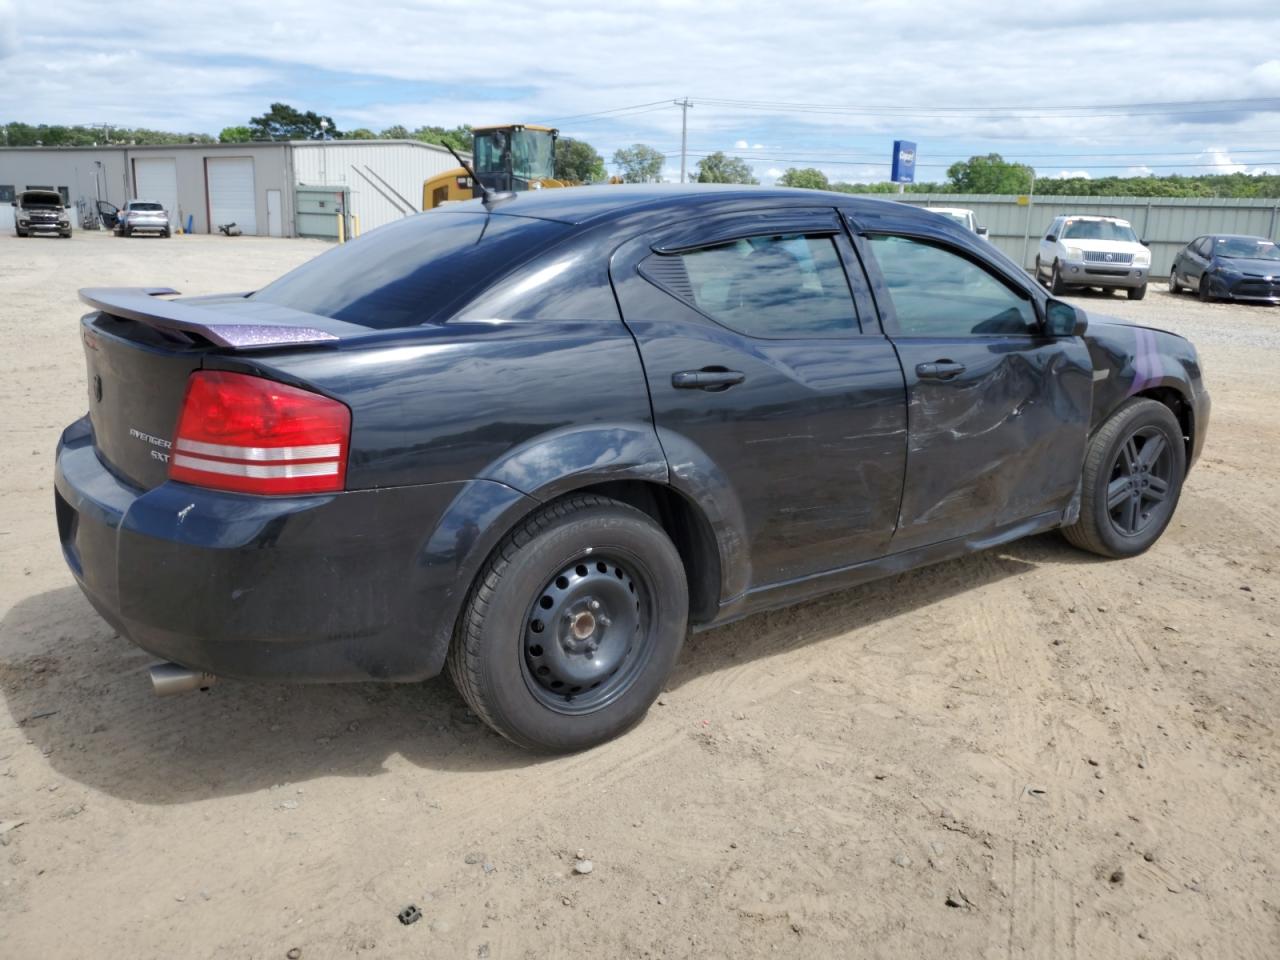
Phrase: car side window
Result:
[772,287]
[938,293]
[1205,249]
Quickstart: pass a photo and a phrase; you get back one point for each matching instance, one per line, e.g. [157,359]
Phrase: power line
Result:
[605,113]
[1170,108]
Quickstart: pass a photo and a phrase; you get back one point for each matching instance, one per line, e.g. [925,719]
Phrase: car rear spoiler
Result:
[237,322]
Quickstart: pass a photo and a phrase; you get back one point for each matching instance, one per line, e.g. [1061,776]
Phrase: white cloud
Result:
[1069,175]
[204,66]
[1217,160]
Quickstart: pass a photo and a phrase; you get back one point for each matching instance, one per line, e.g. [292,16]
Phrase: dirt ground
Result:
[1026,753]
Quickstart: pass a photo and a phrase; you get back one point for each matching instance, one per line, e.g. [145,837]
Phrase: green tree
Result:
[990,174]
[235,135]
[718,168]
[396,132]
[640,163]
[458,137]
[578,160]
[810,177]
[283,122]
[360,133]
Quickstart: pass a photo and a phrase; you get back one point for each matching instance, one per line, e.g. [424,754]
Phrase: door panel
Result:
[275,219]
[998,416]
[812,439]
[1000,442]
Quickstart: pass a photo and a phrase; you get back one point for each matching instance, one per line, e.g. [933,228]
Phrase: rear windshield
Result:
[417,270]
[41,200]
[145,206]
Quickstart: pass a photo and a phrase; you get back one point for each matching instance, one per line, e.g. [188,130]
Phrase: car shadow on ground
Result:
[80,694]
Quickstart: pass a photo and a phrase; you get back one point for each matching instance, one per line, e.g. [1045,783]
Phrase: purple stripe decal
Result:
[1146,363]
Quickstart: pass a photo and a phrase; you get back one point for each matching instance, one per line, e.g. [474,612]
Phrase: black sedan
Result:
[1228,267]
[538,440]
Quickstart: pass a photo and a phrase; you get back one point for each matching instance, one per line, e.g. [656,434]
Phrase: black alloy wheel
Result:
[1133,471]
[1139,483]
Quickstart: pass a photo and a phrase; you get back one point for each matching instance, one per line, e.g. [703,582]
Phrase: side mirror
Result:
[13,203]
[1063,320]
[1145,243]
[983,231]
[1051,238]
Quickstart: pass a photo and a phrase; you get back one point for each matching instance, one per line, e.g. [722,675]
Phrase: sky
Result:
[1086,88]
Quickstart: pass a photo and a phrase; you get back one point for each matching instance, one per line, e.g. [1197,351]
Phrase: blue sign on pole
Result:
[904,161]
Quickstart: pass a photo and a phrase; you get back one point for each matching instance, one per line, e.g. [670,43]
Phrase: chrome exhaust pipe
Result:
[168,679]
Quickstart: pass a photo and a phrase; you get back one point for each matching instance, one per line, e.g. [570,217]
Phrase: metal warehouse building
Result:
[279,189]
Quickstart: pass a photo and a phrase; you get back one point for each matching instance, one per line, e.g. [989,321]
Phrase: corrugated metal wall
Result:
[384,176]
[1167,223]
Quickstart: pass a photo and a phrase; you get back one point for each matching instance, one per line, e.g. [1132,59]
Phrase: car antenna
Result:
[489,197]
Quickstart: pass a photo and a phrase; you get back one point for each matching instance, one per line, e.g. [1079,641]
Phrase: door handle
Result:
[939,370]
[708,378]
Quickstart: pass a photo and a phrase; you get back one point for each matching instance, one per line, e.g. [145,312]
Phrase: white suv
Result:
[1080,251]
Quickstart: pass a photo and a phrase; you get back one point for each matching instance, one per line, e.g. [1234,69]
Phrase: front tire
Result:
[1133,472]
[572,626]
[1137,293]
[1174,286]
[1203,290]
[1056,286]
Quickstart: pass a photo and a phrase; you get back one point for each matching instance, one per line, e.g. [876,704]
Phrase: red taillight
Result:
[252,435]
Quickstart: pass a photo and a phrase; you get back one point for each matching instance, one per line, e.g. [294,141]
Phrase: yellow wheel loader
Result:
[511,158]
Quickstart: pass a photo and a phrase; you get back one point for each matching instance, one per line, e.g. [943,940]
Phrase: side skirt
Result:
[789,592]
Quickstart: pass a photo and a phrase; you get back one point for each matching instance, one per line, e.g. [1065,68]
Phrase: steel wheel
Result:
[1140,481]
[586,634]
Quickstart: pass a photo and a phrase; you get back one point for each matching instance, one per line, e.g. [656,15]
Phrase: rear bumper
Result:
[145,226]
[313,588]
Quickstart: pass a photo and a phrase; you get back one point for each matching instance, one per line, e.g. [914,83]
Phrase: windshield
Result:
[532,155]
[41,200]
[414,271]
[1245,248]
[145,206]
[1099,230]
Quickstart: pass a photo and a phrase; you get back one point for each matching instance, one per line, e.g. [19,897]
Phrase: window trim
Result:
[721,231]
[884,299]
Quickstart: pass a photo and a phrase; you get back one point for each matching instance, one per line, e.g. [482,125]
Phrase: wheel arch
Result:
[1180,406]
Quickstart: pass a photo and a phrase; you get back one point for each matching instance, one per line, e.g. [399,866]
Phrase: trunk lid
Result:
[140,351]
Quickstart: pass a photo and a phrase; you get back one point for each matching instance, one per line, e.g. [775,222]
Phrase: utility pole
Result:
[684,106]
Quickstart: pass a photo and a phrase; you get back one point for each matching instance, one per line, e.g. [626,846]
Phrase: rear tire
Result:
[572,626]
[1132,478]
[1137,293]
[1056,286]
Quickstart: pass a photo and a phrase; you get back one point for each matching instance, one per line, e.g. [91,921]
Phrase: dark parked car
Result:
[1228,267]
[539,443]
[40,211]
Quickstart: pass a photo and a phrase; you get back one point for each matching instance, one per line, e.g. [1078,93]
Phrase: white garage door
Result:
[156,178]
[231,198]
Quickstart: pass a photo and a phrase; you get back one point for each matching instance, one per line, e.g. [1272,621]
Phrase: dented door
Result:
[997,412]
